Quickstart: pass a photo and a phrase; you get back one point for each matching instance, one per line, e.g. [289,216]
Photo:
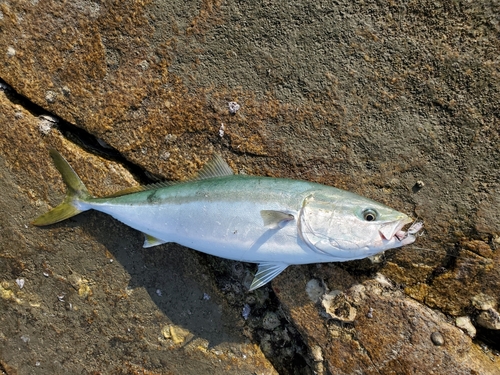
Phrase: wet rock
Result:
[484,302]
[270,321]
[177,334]
[419,338]
[489,319]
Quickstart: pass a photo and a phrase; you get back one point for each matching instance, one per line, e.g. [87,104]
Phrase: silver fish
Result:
[273,222]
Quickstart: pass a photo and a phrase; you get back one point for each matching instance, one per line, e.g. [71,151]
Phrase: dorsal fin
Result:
[215,167]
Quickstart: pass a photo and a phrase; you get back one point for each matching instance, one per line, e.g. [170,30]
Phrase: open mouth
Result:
[390,229]
[414,228]
[395,230]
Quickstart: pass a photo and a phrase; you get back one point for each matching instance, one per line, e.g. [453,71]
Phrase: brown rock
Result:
[391,334]
[489,319]
[488,220]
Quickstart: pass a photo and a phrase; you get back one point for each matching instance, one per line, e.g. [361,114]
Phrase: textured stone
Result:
[489,319]
[371,97]
[466,325]
[399,335]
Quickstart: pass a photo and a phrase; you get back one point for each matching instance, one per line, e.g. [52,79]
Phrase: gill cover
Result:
[314,222]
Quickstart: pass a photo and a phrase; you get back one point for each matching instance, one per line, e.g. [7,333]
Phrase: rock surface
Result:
[392,333]
[397,102]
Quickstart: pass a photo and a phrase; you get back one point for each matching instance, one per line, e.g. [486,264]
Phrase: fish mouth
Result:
[395,230]
[391,229]
[410,235]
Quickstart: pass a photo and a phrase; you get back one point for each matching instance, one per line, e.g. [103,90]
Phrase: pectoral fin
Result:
[150,241]
[275,219]
[266,272]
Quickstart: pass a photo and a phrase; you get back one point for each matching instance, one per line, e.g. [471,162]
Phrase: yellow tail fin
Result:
[76,191]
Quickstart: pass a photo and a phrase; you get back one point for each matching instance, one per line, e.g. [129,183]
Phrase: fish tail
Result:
[76,192]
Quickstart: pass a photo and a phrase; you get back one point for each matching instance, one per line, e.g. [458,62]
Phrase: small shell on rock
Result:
[317,353]
[314,290]
[246,311]
[165,331]
[44,127]
[464,323]
[233,107]
[489,319]
[270,321]
[46,123]
[418,186]
[50,118]
[357,293]
[50,96]
[483,302]
[20,283]
[337,306]
[11,51]
[175,333]
[165,155]
[496,239]
[383,281]
[369,314]
[377,258]
[437,338]
[170,138]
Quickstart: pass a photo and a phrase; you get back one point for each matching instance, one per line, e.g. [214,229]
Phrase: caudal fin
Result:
[76,191]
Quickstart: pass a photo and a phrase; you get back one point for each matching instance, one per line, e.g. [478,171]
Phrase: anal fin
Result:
[150,241]
[266,272]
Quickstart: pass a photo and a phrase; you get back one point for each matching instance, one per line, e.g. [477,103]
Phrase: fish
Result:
[273,222]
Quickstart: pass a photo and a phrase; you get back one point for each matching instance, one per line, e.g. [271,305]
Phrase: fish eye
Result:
[370,215]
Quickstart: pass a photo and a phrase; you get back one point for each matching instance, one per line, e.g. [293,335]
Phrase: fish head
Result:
[347,226]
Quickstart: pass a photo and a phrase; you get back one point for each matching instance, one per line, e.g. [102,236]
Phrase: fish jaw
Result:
[409,236]
[402,238]
[389,230]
